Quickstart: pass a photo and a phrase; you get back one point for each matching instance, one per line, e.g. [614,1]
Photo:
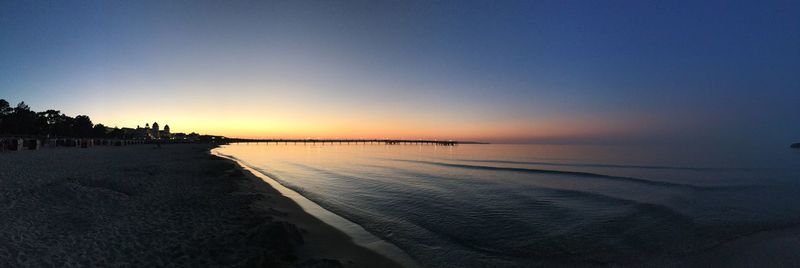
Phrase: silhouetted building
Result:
[141,133]
[165,133]
[148,133]
[156,133]
[193,136]
[179,136]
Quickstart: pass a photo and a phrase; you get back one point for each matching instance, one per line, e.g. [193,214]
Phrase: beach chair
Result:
[15,144]
[32,144]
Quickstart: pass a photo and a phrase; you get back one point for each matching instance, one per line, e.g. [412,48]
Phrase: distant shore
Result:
[141,206]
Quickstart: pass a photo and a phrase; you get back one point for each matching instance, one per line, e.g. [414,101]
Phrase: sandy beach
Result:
[144,207]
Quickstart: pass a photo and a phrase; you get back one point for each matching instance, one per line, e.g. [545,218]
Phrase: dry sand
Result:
[140,206]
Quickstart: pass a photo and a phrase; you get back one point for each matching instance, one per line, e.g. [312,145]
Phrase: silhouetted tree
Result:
[116,133]
[99,131]
[83,126]
[5,109]
[46,122]
[20,121]
[64,126]
[22,106]
[51,116]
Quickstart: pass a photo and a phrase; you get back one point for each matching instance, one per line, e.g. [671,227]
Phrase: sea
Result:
[511,205]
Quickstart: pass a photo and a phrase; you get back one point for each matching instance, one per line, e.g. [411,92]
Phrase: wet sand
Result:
[141,206]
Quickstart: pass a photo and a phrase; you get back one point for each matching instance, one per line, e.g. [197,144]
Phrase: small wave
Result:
[561,172]
[574,204]
[625,166]
[587,165]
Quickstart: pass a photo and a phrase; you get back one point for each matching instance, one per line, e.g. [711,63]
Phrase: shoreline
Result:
[339,237]
[355,232]
[177,205]
[187,205]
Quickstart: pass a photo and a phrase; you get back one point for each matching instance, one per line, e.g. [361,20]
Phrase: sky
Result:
[499,71]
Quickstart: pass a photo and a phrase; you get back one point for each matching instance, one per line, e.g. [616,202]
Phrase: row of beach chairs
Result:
[20,144]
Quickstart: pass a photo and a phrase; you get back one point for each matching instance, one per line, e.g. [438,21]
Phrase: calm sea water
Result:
[520,205]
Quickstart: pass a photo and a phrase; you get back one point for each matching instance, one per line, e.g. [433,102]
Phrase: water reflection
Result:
[517,205]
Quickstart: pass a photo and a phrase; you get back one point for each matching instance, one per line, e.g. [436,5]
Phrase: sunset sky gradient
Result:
[501,71]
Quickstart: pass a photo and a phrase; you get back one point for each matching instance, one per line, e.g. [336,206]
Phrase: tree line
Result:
[21,120]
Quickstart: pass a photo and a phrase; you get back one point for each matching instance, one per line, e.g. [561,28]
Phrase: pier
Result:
[351,141]
[26,143]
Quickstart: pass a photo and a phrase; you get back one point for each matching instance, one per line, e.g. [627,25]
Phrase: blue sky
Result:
[520,71]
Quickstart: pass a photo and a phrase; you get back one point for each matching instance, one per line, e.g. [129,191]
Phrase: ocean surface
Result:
[521,205]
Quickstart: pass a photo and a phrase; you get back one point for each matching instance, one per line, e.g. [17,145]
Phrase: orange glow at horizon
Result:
[310,110]
[259,124]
